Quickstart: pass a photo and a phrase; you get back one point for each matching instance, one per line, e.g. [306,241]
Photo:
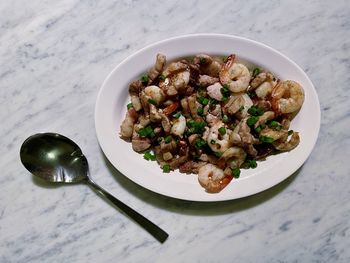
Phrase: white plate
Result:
[113,98]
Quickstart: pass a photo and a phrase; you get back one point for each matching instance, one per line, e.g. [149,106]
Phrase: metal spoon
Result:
[57,159]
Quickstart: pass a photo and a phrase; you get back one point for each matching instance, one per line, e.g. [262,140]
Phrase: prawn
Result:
[287,97]
[212,178]
[205,80]
[134,90]
[217,141]
[241,134]
[234,156]
[155,93]
[235,75]
[179,126]
[126,128]
[177,77]
[267,116]
[287,145]
[274,134]
[157,68]
[214,91]
[263,84]
[208,65]
[238,105]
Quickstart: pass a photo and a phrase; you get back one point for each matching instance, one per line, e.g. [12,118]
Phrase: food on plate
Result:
[210,116]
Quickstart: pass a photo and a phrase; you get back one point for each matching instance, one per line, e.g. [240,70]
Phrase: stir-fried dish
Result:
[210,116]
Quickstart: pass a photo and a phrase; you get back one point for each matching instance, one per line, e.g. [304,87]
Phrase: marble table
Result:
[54,55]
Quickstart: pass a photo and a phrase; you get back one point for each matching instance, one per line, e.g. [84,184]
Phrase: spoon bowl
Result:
[57,159]
[54,158]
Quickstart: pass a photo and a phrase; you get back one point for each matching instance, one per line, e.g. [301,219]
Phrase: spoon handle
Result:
[153,229]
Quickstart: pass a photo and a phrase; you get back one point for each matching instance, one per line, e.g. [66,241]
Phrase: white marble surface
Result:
[54,56]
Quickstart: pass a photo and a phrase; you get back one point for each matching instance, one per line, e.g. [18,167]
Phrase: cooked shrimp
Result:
[235,75]
[238,105]
[208,65]
[154,114]
[211,119]
[193,106]
[155,93]
[139,144]
[274,134]
[126,128]
[287,145]
[214,91]
[212,178]
[216,141]
[216,111]
[243,130]
[134,90]
[205,80]
[285,123]
[268,115]
[179,126]
[165,122]
[158,67]
[263,84]
[287,97]
[234,156]
[177,77]
[180,80]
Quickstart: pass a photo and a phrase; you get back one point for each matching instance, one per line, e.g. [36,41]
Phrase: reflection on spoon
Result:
[57,159]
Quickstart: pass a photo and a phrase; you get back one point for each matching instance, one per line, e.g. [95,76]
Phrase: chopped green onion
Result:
[161,77]
[196,127]
[236,172]
[203,100]
[152,101]
[144,79]
[168,139]
[255,111]
[177,114]
[266,139]
[166,168]
[241,109]
[252,120]
[199,143]
[200,111]
[260,127]
[225,91]
[275,125]
[212,141]
[251,94]
[225,118]
[129,106]
[149,156]
[224,99]
[213,101]
[256,72]
[222,130]
[160,139]
[202,61]
[146,132]
[290,132]
[218,154]
[252,163]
